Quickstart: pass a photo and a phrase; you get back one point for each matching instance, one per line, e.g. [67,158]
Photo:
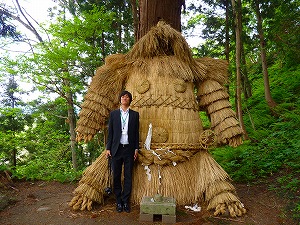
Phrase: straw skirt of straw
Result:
[163,92]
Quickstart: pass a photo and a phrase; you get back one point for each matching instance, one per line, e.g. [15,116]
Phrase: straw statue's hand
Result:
[235,140]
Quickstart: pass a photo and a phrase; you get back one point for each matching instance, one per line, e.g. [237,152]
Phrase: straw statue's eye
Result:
[143,86]
[180,85]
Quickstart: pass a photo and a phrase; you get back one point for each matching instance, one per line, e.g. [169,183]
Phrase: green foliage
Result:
[12,123]
[274,145]
[209,49]
[283,30]
[205,120]
[62,65]
[13,119]
[48,168]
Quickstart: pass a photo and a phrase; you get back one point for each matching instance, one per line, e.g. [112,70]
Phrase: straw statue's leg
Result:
[92,185]
[219,192]
[200,178]
[222,198]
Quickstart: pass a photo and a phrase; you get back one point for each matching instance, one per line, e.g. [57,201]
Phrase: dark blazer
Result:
[114,131]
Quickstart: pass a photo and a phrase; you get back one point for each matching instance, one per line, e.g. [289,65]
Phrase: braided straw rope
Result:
[170,153]
[165,101]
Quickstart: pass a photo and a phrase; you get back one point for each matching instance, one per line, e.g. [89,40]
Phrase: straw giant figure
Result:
[169,88]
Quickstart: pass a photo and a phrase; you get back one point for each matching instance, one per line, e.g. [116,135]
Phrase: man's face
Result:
[125,100]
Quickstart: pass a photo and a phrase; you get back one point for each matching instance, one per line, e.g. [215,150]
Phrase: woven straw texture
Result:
[169,88]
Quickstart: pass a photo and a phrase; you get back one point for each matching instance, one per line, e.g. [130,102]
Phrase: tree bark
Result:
[152,11]
[14,153]
[237,10]
[72,124]
[247,89]
[227,41]
[271,103]
[135,15]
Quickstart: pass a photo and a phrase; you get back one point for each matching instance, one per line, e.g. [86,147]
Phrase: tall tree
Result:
[55,66]
[152,11]
[282,30]
[214,16]
[135,15]
[12,118]
[271,103]
[227,27]
[237,11]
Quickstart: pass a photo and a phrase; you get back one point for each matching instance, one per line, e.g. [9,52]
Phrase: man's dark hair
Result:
[126,93]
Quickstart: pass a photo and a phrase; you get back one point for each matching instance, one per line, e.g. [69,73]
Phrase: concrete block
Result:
[146,217]
[167,206]
[168,219]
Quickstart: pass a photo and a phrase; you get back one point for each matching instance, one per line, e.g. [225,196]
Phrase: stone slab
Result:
[168,219]
[167,206]
[146,217]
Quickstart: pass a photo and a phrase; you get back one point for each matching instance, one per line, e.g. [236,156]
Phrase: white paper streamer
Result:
[195,208]
[147,143]
[148,172]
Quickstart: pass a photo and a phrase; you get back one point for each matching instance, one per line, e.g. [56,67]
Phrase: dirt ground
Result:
[47,203]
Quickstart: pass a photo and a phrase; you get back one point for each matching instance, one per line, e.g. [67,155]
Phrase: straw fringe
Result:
[219,116]
[227,129]
[163,40]
[166,66]
[217,69]
[92,184]
[209,86]
[235,141]
[212,97]
[187,182]
[95,179]
[101,97]
[218,105]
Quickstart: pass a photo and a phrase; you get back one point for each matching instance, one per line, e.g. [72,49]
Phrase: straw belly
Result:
[169,104]
[182,126]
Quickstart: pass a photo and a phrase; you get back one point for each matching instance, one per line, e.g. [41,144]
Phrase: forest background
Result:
[260,40]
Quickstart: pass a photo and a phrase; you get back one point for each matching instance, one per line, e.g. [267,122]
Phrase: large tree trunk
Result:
[247,89]
[72,124]
[271,103]
[227,40]
[237,10]
[71,117]
[14,153]
[135,18]
[152,11]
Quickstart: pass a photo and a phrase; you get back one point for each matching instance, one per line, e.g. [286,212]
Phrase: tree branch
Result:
[17,18]
[32,29]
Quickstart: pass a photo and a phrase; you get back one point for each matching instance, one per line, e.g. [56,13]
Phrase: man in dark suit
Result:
[122,146]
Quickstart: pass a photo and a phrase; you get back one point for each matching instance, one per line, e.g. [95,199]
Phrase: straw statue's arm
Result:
[101,97]
[214,99]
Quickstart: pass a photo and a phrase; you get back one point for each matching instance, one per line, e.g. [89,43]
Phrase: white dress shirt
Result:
[124,126]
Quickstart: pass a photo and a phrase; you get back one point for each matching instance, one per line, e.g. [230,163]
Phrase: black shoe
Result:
[126,208]
[119,208]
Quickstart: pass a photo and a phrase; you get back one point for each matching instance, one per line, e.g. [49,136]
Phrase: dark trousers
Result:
[124,156]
